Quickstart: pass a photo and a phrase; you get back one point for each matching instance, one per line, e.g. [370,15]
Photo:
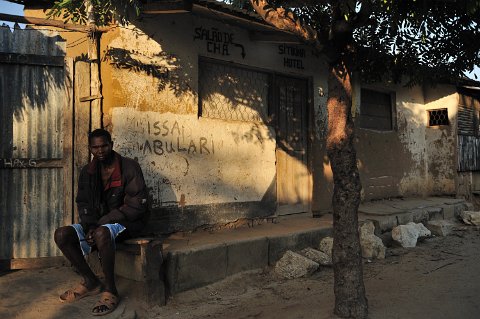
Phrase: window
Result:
[231,92]
[438,117]
[376,110]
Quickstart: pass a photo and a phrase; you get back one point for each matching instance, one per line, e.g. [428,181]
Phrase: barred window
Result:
[438,117]
[377,110]
[231,92]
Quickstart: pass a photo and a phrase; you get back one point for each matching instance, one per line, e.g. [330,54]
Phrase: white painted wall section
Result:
[190,161]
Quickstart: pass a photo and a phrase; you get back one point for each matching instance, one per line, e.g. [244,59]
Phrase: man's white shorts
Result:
[115,230]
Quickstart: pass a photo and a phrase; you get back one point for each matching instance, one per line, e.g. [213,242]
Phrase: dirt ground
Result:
[440,278]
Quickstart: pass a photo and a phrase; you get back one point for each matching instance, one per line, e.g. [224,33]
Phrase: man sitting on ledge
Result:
[112,206]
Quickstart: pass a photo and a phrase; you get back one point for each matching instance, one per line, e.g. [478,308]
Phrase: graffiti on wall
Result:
[292,56]
[174,140]
[17,162]
[218,42]
[202,161]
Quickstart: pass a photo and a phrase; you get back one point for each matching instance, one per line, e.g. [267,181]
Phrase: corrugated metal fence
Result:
[35,142]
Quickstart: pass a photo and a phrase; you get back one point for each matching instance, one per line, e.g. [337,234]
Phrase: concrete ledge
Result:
[196,260]
[196,267]
[435,213]
[431,209]
[247,255]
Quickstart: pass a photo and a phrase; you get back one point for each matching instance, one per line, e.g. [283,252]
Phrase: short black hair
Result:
[99,132]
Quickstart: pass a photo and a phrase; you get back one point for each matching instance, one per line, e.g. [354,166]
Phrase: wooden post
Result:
[82,121]
[95,83]
[68,216]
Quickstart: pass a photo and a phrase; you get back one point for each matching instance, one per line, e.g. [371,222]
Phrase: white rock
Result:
[293,265]
[470,217]
[326,246]
[440,227]
[422,230]
[407,235]
[372,246]
[317,256]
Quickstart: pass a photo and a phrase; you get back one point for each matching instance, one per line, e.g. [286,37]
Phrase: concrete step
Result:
[388,214]
[195,259]
[202,258]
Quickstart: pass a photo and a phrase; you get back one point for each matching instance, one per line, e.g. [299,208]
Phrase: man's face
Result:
[100,148]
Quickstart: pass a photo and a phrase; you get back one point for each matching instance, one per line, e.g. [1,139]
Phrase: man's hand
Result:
[89,237]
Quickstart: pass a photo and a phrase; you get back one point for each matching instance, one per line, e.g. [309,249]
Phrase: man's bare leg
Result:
[106,249]
[67,240]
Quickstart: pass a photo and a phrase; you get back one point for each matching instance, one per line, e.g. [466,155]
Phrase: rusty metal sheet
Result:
[31,210]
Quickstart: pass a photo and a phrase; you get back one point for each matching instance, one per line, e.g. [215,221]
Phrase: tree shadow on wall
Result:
[29,81]
[161,66]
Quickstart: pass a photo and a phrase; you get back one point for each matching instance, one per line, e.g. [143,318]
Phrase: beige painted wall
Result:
[412,160]
[239,165]
[441,141]
[190,161]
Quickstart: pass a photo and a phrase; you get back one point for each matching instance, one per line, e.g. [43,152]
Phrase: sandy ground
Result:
[440,278]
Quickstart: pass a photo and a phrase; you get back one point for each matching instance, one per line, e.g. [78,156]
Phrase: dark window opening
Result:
[376,110]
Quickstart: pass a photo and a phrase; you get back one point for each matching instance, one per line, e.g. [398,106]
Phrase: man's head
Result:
[100,145]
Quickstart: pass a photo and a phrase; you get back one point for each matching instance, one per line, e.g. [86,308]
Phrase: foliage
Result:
[106,11]
[416,37]
[394,37]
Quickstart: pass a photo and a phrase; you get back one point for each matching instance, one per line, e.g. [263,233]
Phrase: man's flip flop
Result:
[79,292]
[107,303]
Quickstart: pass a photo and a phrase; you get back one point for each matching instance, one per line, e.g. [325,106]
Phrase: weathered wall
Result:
[441,141]
[199,170]
[392,163]
[411,160]
[190,161]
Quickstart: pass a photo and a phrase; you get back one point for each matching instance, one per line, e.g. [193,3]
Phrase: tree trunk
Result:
[350,300]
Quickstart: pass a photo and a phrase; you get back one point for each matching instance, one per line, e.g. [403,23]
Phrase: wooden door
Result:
[35,146]
[291,121]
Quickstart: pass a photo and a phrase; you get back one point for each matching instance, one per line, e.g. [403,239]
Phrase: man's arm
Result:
[86,215]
